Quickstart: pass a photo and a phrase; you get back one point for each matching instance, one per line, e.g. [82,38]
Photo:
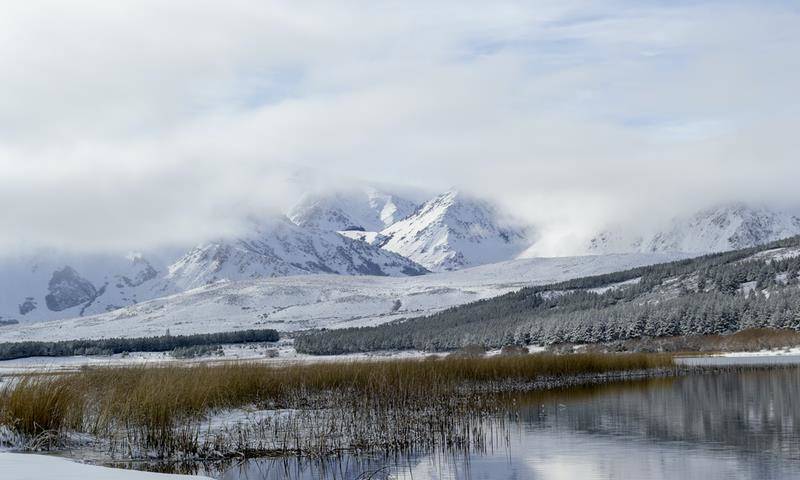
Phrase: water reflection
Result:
[712,426]
[751,360]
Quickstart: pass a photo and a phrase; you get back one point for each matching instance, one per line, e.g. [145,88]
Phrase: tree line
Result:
[110,346]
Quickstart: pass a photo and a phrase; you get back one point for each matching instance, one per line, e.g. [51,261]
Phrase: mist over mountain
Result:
[355,230]
[725,227]
[52,284]
[359,208]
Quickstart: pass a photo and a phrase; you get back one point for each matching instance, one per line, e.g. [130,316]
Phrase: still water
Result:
[742,424]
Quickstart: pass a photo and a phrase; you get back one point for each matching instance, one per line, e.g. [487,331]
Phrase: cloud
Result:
[133,124]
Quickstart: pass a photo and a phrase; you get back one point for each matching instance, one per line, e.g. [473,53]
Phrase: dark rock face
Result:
[68,289]
[27,306]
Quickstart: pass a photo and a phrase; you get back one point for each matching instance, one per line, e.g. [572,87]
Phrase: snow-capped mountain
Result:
[50,285]
[276,247]
[717,229]
[365,209]
[453,231]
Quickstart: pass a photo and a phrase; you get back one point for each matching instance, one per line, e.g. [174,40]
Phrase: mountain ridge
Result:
[278,247]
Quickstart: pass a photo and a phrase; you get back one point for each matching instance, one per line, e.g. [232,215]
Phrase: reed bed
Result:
[388,405]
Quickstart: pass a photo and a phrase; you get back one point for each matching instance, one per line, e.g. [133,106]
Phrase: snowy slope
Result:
[277,247]
[454,231]
[718,229]
[364,208]
[300,302]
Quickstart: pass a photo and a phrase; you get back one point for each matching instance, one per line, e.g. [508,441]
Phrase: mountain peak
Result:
[362,208]
[455,230]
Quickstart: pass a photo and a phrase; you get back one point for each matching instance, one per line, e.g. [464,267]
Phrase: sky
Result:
[136,123]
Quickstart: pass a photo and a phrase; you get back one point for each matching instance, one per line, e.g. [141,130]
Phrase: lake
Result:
[743,424]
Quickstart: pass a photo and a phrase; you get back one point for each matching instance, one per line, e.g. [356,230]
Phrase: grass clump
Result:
[43,405]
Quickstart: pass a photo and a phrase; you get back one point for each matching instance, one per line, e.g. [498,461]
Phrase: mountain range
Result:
[363,231]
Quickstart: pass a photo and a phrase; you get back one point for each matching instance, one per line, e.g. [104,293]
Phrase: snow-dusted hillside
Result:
[364,208]
[718,229]
[277,247]
[453,231]
[307,301]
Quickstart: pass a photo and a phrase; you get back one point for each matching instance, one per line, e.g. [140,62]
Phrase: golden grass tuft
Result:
[37,405]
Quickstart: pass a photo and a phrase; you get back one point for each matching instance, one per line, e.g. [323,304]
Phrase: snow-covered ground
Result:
[23,466]
[764,353]
[330,301]
[282,353]
[285,354]
[775,356]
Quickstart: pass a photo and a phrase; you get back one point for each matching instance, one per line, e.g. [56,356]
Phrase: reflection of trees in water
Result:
[752,411]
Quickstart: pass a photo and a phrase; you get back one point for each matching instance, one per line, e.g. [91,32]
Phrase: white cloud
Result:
[129,123]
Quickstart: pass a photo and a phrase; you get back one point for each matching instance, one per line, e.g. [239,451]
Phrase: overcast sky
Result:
[129,123]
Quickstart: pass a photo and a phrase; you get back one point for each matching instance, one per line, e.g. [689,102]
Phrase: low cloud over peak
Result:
[143,123]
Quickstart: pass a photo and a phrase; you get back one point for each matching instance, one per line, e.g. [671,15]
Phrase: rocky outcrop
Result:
[67,289]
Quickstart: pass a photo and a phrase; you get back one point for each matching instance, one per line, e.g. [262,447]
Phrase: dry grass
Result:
[150,404]
[36,405]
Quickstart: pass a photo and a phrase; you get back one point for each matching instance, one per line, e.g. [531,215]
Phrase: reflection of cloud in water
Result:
[564,455]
